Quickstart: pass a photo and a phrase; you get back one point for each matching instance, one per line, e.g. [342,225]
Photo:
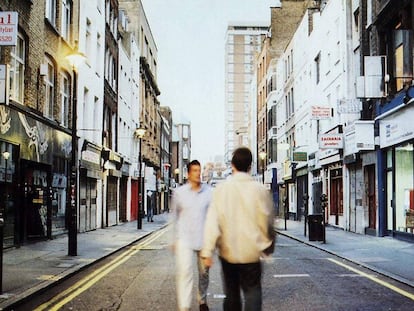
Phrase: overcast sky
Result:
[190,36]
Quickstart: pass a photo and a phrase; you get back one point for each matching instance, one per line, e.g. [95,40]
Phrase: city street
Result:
[297,277]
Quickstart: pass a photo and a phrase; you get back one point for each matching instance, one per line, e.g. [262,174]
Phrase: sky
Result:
[190,37]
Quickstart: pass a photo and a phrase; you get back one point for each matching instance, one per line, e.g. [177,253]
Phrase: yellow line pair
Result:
[376,280]
[79,287]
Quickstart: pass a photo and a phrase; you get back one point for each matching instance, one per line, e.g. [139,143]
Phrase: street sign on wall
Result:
[8,28]
[331,141]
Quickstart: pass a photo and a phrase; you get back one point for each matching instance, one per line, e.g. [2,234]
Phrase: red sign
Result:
[8,28]
[331,141]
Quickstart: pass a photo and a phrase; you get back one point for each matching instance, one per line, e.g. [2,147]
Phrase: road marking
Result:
[79,287]
[291,275]
[349,275]
[375,279]
[219,296]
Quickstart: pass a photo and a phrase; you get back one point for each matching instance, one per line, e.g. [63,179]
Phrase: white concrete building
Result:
[90,93]
[128,116]
[315,76]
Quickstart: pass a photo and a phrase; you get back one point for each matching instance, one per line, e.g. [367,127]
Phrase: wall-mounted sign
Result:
[321,112]
[8,28]
[359,136]
[397,127]
[300,156]
[331,141]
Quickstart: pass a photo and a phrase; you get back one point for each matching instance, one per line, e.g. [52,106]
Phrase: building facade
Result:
[36,130]
[243,42]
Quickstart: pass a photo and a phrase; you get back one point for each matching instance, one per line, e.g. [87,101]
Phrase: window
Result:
[51,11]
[49,88]
[65,97]
[403,45]
[66,12]
[17,70]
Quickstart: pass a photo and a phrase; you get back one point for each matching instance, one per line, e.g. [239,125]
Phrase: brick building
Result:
[35,130]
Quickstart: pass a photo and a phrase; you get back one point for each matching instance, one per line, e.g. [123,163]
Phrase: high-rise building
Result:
[243,42]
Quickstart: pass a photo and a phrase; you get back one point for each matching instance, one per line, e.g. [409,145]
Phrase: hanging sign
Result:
[8,28]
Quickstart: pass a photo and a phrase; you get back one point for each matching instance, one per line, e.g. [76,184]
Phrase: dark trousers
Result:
[245,277]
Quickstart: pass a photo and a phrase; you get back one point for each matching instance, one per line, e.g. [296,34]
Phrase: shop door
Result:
[111,200]
[123,199]
[87,206]
[316,195]
[372,205]
[37,208]
[302,188]
[134,199]
[336,202]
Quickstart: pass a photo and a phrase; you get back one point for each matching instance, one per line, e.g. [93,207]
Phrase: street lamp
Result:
[262,156]
[6,156]
[75,59]
[139,132]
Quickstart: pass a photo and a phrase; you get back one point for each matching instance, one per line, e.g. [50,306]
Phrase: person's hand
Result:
[207,261]
[171,247]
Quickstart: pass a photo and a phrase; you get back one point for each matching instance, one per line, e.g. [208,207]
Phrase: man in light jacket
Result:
[189,208]
[240,224]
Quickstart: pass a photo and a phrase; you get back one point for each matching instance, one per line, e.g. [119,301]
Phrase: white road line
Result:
[291,275]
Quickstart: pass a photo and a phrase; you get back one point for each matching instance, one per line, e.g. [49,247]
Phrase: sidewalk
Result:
[31,268]
[385,255]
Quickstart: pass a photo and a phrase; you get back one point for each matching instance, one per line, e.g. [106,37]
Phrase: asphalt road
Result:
[297,277]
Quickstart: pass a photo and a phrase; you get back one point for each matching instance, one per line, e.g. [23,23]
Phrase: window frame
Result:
[50,84]
[65,96]
[17,75]
[66,31]
[51,11]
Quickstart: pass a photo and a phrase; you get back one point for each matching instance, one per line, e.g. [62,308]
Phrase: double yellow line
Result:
[79,287]
[374,279]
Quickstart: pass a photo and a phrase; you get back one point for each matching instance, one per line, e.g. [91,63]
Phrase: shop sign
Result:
[397,128]
[321,112]
[300,156]
[331,141]
[359,136]
[8,28]
[4,84]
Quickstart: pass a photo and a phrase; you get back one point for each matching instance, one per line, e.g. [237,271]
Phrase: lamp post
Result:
[139,132]
[75,59]
[6,156]
[262,156]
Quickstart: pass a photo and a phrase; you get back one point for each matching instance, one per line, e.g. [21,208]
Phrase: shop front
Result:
[90,181]
[330,160]
[34,179]
[112,176]
[397,145]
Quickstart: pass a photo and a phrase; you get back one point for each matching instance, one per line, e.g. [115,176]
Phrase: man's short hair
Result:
[242,159]
[193,163]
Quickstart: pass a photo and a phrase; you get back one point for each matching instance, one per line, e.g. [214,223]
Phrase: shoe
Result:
[204,307]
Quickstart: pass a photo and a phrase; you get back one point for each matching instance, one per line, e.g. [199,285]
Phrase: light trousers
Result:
[184,261]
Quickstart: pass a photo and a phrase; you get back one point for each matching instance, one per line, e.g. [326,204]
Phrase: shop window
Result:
[404,187]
